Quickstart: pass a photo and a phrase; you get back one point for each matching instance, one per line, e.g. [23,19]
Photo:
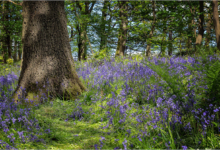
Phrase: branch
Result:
[92,7]
[20,4]
[70,39]
[89,43]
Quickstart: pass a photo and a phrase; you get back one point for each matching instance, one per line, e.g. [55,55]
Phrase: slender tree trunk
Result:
[15,51]
[47,61]
[170,50]
[191,23]
[189,44]
[149,41]
[162,50]
[103,23]
[180,46]
[4,37]
[208,29]
[82,43]
[201,21]
[71,35]
[123,28]
[8,32]
[19,51]
[216,22]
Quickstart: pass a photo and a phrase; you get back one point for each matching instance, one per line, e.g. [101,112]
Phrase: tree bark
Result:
[190,24]
[4,37]
[152,31]
[82,27]
[47,63]
[82,43]
[208,30]
[19,51]
[15,51]
[123,28]
[216,22]
[8,32]
[103,30]
[201,21]
[170,50]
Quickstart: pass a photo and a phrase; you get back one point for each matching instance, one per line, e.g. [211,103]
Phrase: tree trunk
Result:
[47,63]
[82,43]
[103,23]
[191,29]
[8,32]
[4,41]
[123,28]
[170,50]
[162,50]
[216,22]
[152,30]
[82,27]
[201,21]
[208,30]
[19,51]
[15,51]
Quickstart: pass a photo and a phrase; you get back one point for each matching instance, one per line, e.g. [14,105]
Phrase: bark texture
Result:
[103,37]
[201,21]
[19,51]
[123,6]
[170,47]
[208,29]
[82,27]
[8,32]
[152,31]
[15,51]
[4,37]
[47,63]
[216,22]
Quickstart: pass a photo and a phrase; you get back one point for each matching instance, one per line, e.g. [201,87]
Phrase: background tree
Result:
[98,24]
[122,35]
[201,22]
[216,22]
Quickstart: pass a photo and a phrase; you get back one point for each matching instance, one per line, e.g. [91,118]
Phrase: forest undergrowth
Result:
[130,103]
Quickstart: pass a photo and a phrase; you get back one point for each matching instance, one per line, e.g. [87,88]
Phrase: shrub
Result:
[10,61]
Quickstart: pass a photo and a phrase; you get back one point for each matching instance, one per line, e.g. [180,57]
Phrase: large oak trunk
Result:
[46,56]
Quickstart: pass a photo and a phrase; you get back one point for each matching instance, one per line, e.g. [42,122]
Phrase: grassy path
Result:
[67,134]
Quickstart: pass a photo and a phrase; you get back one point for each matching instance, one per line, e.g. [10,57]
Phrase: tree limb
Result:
[90,10]
[20,4]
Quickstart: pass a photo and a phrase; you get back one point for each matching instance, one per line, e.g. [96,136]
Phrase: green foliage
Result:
[213,83]
[1,59]
[211,80]
[103,54]
[174,83]
[10,61]
[137,57]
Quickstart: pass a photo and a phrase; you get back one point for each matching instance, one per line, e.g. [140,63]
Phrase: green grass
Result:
[67,135]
